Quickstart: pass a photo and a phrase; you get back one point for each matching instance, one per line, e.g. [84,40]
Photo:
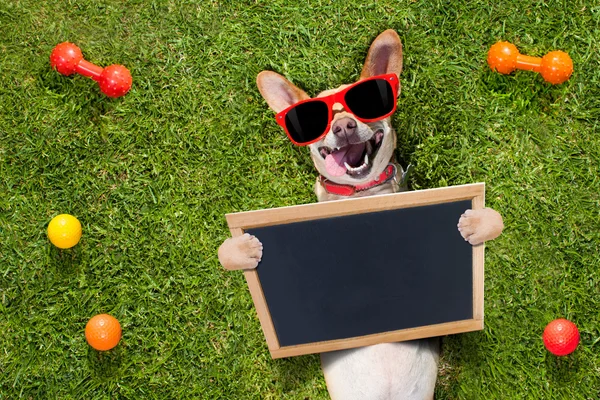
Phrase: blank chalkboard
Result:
[356,272]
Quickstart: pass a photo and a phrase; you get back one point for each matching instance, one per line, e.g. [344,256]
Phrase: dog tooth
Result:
[357,169]
[366,159]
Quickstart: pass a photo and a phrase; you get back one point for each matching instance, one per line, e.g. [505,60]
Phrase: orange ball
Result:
[502,57]
[103,332]
[557,67]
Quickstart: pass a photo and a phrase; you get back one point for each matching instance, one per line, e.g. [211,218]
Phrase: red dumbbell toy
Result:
[114,80]
[555,67]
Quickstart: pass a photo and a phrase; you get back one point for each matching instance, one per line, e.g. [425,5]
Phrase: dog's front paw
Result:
[240,252]
[478,226]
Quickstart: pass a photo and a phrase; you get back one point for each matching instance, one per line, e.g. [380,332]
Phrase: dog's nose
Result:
[344,127]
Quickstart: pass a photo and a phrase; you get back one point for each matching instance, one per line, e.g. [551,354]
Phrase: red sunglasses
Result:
[370,100]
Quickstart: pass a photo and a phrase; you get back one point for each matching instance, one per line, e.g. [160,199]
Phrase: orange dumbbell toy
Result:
[555,67]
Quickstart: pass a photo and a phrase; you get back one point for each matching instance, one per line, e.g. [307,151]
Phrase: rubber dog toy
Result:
[555,67]
[114,80]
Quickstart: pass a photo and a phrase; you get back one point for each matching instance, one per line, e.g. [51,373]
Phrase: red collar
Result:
[348,190]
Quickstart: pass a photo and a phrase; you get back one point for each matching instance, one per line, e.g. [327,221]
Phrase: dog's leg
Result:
[388,371]
[478,226]
[241,252]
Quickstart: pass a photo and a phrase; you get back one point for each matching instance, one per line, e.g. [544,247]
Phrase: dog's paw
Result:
[478,226]
[241,252]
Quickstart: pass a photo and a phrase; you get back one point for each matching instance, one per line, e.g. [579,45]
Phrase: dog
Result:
[354,156]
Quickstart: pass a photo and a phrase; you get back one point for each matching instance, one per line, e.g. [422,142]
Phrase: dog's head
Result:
[352,152]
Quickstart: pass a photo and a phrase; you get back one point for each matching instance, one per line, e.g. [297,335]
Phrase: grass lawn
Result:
[151,175]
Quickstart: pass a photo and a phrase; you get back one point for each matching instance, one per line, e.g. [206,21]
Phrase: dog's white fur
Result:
[389,371]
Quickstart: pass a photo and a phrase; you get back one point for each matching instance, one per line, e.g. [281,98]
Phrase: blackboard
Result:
[362,271]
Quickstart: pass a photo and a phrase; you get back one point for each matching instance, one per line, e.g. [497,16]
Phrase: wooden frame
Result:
[239,222]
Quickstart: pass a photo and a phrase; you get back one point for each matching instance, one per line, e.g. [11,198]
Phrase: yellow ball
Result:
[64,231]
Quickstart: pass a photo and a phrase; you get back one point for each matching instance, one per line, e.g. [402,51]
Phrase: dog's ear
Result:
[278,91]
[384,56]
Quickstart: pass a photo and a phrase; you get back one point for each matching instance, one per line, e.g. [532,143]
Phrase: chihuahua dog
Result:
[352,147]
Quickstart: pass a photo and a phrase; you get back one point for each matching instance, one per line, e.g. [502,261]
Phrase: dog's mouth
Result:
[354,159]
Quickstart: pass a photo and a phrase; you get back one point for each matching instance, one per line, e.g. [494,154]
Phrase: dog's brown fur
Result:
[404,370]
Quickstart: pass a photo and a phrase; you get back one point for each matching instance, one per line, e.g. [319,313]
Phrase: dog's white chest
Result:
[388,371]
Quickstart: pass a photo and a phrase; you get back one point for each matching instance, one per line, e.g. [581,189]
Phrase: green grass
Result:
[151,175]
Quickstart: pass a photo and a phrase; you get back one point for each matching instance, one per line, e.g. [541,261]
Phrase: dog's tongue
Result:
[334,162]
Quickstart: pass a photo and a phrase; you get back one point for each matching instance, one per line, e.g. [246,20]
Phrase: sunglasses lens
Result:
[371,99]
[307,121]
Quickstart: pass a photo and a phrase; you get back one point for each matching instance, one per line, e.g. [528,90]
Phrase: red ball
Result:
[65,57]
[561,337]
[115,80]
